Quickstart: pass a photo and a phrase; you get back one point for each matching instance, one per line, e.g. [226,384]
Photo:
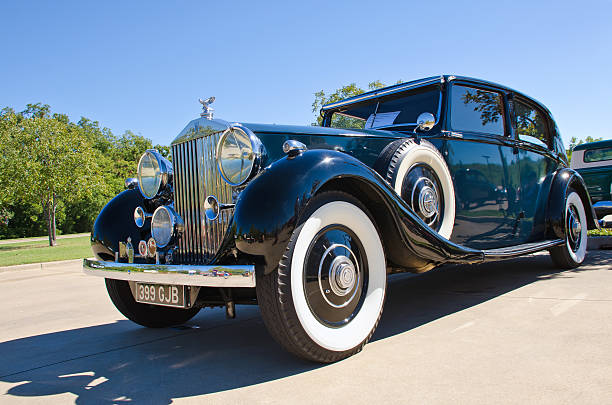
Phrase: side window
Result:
[477,110]
[530,124]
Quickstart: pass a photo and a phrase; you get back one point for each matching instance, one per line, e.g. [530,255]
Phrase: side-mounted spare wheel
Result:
[324,300]
[418,173]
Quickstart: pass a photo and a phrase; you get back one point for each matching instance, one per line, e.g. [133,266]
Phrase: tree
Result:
[343,92]
[45,160]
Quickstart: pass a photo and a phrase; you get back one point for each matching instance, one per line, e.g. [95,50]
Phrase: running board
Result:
[519,250]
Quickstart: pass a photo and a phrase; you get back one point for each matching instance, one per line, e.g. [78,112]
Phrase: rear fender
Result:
[564,180]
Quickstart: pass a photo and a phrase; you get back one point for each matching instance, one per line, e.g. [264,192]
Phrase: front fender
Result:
[564,180]
[115,224]
[270,208]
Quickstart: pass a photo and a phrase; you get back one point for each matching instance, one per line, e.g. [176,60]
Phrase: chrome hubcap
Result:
[428,205]
[422,190]
[428,201]
[342,275]
[574,228]
[335,275]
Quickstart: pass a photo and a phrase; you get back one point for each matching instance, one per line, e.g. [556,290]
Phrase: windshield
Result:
[389,111]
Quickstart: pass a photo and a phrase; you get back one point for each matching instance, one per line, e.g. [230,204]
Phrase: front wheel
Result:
[572,253]
[324,300]
[151,316]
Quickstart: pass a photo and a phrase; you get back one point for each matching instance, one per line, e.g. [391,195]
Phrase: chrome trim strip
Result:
[203,276]
[519,250]
[603,208]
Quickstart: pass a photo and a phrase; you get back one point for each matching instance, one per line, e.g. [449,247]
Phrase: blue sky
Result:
[142,65]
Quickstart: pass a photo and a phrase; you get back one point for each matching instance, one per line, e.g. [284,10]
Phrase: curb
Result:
[41,266]
[599,242]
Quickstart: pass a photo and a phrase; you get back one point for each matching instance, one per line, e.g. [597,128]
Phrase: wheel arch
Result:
[564,180]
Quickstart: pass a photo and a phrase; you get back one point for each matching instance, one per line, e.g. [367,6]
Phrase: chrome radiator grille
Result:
[196,176]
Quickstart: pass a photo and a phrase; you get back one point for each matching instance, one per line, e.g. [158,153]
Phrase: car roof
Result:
[424,82]
[594,145]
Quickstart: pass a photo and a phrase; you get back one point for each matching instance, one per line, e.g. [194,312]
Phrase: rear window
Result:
[530,124]
[597,155]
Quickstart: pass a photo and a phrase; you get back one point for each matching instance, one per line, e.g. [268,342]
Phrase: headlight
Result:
[238,155]
[154,172]
[165,224]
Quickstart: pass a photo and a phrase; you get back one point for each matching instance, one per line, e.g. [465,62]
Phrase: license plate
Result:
[160,294]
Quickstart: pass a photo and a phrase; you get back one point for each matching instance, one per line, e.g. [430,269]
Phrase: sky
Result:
[142,66]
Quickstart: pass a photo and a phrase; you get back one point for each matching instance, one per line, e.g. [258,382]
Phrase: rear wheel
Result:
[572,253]
[324,300]
[151,316]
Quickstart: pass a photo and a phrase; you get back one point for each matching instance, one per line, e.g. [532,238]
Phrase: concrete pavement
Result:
[518,331]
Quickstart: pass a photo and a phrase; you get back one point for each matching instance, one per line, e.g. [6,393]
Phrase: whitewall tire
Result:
[419,174]
[573,252]
[325,299]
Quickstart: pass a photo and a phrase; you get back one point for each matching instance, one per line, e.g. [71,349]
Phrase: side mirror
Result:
[425,121]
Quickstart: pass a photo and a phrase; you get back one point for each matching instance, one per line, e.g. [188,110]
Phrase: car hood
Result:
[316,130]
[202,127]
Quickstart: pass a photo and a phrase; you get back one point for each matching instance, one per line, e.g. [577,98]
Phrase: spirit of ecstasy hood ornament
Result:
[207,110]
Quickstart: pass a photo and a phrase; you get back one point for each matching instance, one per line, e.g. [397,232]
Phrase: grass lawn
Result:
[601,232]
[37,252]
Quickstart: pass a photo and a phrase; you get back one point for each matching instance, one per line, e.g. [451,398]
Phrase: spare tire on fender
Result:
[419,174]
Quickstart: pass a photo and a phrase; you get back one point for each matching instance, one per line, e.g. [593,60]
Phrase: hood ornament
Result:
[207,110]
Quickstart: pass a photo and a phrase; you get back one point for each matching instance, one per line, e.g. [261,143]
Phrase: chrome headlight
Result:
[238,155]
[154,173]
[165,224]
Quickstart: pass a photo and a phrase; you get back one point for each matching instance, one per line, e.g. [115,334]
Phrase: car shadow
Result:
[121,362]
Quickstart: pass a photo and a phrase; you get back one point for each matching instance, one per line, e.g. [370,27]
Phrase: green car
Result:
[594,163]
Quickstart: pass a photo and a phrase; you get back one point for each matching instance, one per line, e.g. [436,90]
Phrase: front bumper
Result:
[180,274]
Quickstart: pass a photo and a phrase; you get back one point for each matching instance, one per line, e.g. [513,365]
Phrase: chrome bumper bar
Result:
[180,274]
[603,208]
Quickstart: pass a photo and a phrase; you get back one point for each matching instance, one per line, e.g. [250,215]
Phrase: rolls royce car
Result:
[308,221]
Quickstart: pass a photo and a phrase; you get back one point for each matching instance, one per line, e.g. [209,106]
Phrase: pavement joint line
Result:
[39,266]
[560,299]
[518,297]
[127,347]
[35,277]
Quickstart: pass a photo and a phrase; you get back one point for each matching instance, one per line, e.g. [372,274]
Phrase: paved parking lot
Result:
[518,331]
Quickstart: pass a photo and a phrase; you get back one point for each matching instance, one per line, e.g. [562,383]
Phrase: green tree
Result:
[575,142]
[350,90]
[45,160]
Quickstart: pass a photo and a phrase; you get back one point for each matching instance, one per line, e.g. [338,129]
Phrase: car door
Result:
[534,135]
[479,153]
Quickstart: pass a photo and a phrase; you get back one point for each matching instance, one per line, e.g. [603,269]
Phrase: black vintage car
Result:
[307,222]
